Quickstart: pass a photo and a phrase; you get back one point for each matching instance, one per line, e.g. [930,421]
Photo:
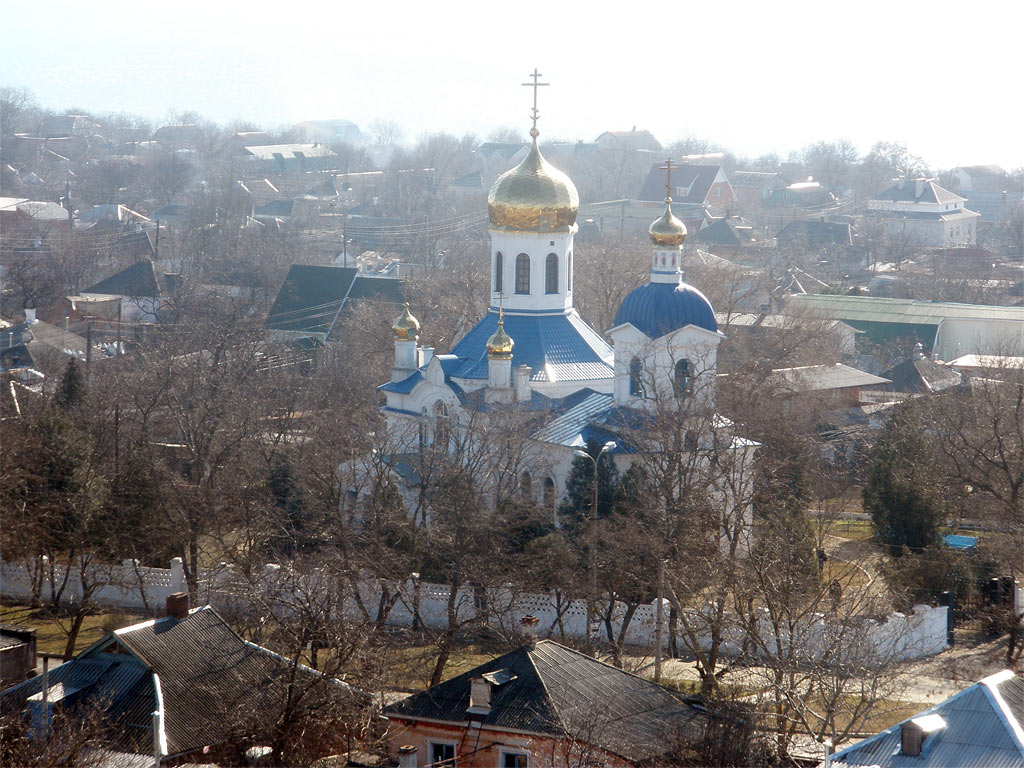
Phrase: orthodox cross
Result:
[535,85]
[667,167]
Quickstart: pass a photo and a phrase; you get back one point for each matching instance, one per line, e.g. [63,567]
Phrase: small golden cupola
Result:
[667,231]
[499,346]
[534,196]
[406,327]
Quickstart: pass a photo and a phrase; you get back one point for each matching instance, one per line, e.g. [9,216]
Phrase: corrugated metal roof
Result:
[570,428]
[908,311]
[811,378]
[556,347]
[979,733]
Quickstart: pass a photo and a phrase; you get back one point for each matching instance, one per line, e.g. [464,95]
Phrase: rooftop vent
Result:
[915,732]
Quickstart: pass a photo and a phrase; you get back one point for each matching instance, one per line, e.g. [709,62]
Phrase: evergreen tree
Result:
[71,391]
[579,486]
[901,496]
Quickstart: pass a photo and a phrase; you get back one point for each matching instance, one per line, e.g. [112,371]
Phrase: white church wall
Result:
[537,245]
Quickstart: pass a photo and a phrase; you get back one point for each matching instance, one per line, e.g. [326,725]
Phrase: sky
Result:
[945,78]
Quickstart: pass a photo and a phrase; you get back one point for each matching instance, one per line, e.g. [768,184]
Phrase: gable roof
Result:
[984,728]
[877,309]
[555,690]
[813,378]
[634,139]
[140,279]
[313,296]
[919,374]
[731,230]
[696,178]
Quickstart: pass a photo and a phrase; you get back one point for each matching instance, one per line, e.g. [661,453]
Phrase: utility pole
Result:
[659,619]
[117,408]
[88,348]
[592,545]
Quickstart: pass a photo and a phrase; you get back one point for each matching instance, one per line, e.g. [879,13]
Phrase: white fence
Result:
[129,586]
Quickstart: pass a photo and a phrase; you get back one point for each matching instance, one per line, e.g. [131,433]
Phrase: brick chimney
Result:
[480,692]
[177,605]
[528,629]
[407,756]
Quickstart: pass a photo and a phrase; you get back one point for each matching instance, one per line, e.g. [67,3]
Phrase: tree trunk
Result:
[76,626]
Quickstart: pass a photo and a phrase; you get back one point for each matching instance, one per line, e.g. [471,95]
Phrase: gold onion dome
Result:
[499,346]
[406,327]
[667,230]
[533,197]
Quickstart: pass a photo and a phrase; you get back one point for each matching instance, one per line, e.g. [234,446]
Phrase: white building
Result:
[533,356]
[925,213]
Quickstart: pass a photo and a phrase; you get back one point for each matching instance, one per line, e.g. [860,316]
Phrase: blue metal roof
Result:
[403,387]
[956,541]
[573,426]
[660,308]
[556,347]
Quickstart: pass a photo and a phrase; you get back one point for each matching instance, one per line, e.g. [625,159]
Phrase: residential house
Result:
[919,375]
[754,188]
[628,141]
[312,299]
[542,705]
[945,329]
[731,232]
[187,676]
[705,185]
[989,190]
[294,157]
[840,384]
[635,215]
[172,215]
[143,289]
[179,136]
[770,326]
[924,213]
[807,194]
[982,725]
[816,233]
[33,349]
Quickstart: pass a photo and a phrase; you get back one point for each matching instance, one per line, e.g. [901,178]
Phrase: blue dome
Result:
[660,308]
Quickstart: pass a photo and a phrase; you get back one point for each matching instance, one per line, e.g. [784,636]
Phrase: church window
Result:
[549,492]
[522,273]
[498,267]
[636,384]
[525,485]
[568,268]
[551,274]
[683,378]
[442,424]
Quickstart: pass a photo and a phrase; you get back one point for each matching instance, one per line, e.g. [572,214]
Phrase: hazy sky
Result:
[946,78]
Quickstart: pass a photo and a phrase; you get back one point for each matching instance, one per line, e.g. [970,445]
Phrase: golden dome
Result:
[533,197]
[667,230]
[406,327]
[499,346]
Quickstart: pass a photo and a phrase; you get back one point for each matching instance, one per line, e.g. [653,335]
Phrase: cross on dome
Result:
[667,167]
[535,85]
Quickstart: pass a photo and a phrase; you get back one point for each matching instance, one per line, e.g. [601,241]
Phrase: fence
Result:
[129,586]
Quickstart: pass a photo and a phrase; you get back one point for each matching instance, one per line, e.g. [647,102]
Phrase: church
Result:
[533,355]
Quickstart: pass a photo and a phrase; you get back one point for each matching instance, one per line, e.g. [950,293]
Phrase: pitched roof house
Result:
[930,214]
[981,726]
[199,678]
[628,140]
[918,374]
[691,184]
[545,704]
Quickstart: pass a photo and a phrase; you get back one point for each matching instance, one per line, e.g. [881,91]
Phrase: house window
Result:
[498,266]
[442,754]
[514,760]
[718,191]
[683,381]
[522,273]
[682,191]
[549,492]
[551,274]
[636,384]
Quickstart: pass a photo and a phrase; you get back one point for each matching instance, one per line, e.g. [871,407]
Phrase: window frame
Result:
[684,389]
[523,274]
[499,266]
[431,743]
[551,274]
[636,377]
[503,752]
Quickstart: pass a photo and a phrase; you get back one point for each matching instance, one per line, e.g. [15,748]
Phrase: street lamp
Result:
[591,556]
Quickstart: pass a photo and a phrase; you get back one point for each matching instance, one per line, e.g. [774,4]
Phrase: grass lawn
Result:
[409,668]
[859,530]
[51,638]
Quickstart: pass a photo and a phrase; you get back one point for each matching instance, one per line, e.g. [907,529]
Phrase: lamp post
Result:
[591,554]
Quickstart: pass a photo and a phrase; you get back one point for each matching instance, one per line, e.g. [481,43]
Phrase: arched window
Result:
[522,273]
[683,378]
[636,384]
[421,430]
[568,272]
[549,492]
[442,424]
[525,485]
[499,265]
[551,274]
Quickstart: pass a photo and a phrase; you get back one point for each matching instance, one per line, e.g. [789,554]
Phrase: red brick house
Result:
[542,705]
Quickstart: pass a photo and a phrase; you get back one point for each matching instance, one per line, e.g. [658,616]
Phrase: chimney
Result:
[479,696]
[911,739]
[528,628]
[918,188]
[177,605]
[30,315]
[521,382]
[900,182]
[407,756]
